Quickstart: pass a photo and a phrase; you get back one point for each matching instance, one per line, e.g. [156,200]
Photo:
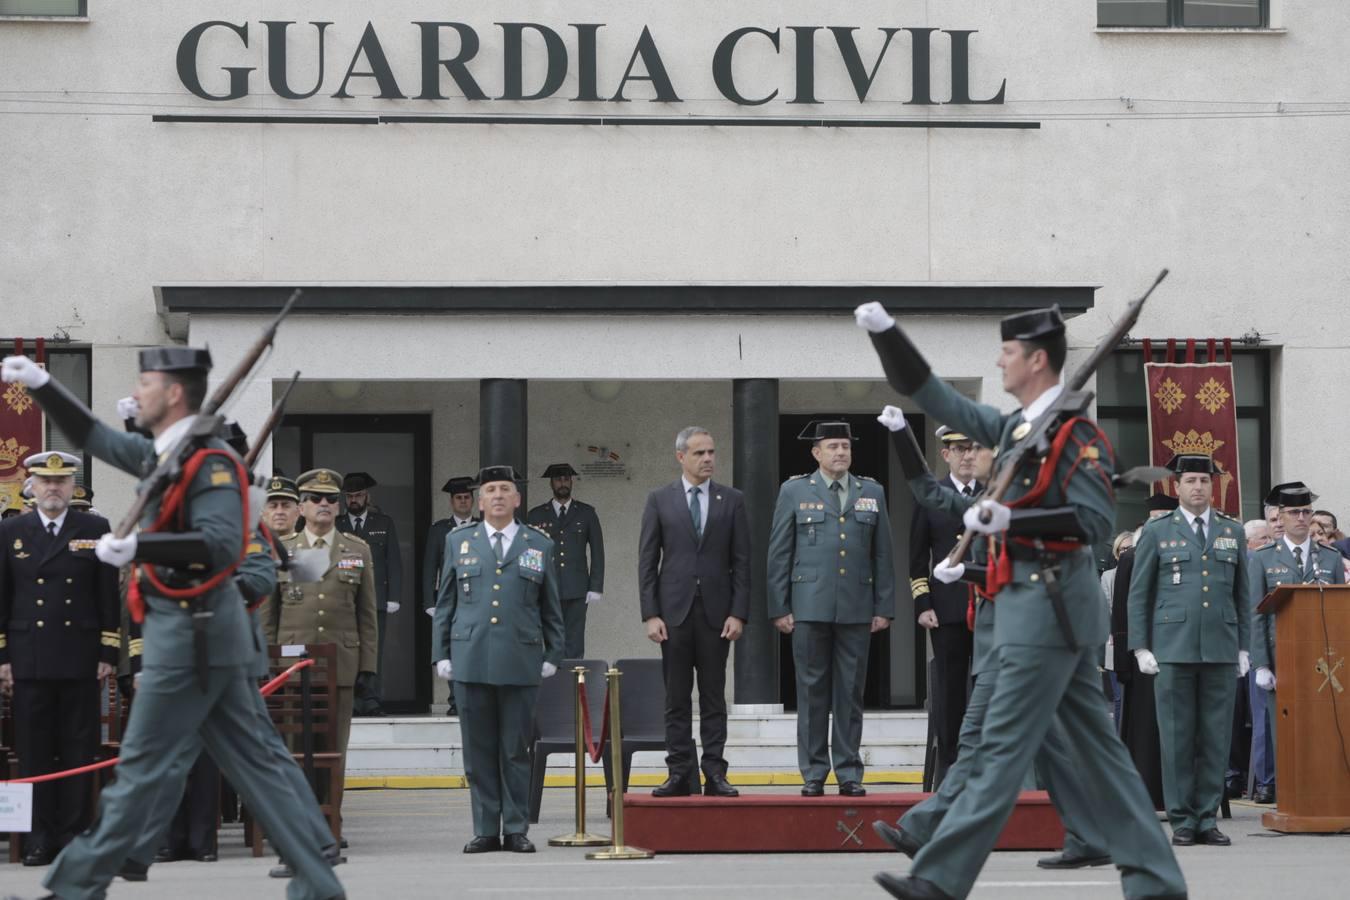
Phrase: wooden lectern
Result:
[1310,708]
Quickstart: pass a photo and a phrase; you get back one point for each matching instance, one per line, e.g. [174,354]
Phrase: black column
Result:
[503,420]
[754,420]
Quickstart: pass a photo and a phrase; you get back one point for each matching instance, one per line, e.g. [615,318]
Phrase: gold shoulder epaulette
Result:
[869,478]
[795,477]
[541,531]
[360,542]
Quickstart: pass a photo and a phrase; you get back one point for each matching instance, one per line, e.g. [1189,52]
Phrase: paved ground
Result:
[406,844]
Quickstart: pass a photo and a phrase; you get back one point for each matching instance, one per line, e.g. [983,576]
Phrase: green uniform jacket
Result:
[257,578]
[1268,568]
[828,567]
[214,507]
[338,609]
[1188,603]
[433,558]
[572,536]
[1025,615]
[498,624]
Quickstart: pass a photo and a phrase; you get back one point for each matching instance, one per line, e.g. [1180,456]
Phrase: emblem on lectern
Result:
[1329,675]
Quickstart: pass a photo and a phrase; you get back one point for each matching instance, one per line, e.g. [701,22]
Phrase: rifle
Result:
[1073,401]
[273,420]
[204,425]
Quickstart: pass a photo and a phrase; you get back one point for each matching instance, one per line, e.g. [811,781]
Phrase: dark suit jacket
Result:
[382,537]
[672,563]
[1343,545]
[58,604]
[1126,665]
[932,535]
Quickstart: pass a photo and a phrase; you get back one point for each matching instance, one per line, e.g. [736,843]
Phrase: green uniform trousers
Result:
[574,628]
[1034,685]
[831,663]
[496,722]
[1195,727]
[171,720]
[1054,762]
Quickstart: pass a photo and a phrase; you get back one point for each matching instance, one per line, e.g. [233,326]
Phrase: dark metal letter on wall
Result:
[754,425]
[187,63]
[503,420]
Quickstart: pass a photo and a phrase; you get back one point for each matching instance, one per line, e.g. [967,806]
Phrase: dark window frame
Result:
[82,13]
[1176,18]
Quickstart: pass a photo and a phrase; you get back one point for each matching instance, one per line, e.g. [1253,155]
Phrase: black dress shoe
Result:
[673,786]
[1064,861]
[204,855]
[1263,795]
[718,786]
[482,844]
[1235,787]
[910,888]
[38,856]
[133,871]
[1214,837]
[897,838]
[813,789]
[166,854]
[517,843]
[342,843]
[852,789]
[1183,837]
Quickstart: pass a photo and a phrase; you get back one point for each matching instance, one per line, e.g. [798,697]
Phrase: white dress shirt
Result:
[59,520]
[1204,516]
[560,509]
[1034,409]
[508,535]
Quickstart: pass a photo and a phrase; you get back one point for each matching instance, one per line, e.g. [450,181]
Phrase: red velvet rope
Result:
[266,690]
[593,750]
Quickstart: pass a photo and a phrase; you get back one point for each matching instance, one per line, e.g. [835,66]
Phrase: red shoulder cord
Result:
[172,509]
[1000,569]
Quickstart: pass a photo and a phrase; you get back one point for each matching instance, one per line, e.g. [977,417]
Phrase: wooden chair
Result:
[302,717]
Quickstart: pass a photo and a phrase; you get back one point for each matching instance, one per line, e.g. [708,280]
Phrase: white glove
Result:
[1148,663]
[443,669]
[999,517]
[128,408]
[548,670]
[1244,663]
[116,551]
[873,317]
[392,606]
[24,371]
[431,611]
[593,597]
[948,574]
[1265,679]
[892,417]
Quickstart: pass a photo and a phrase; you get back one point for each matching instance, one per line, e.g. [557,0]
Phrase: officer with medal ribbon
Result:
[1293,558]
[497,632]
[575,528]
[196,679]
[1189,626]
[59,638]
[831,586]
[1051,617]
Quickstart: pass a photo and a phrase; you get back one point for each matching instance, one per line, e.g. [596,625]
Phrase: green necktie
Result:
[838,494]
[497,546]
[696,511]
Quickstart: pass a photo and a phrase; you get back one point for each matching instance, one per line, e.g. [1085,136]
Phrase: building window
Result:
[74,8]
[1183,13]
[1122,411]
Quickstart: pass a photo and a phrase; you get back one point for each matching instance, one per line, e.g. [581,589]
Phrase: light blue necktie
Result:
[696,511]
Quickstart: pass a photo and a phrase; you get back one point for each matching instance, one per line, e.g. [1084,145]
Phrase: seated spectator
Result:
[1258,533]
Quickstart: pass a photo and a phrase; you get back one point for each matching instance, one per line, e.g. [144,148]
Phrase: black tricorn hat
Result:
[1035,324]
[1193,462]
[1291,493]
[460,484]
[357,481]
[175,359]
[825,430]
[1162,502]
[559,470]
[498,473]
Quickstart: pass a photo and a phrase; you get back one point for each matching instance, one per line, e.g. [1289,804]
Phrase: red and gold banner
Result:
[1192,408]
[20,435]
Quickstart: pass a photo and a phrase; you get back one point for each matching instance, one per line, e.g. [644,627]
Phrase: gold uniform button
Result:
[843,553]
[1027,482]
[1205,572]
[564,565]
[320,628]
[39,603]
[42,581]
[70,581]
[1205,588]
[68,601]
[841,520]
[842,572]
[320,612]
[321,596]
[493,620]
[1035,576]
[499,571]
[1205,604]
[843,537]
[183,604]
[67,623]
[40,624]
[496,603]
[1204,557]
[496,587]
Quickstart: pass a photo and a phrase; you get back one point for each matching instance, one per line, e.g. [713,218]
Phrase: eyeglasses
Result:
[321,498]
[1298,513]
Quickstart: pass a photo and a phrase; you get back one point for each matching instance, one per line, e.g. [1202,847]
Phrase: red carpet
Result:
[788,823]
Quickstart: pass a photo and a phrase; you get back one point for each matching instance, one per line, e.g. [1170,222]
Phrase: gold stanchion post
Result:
[580,837]
[617,850]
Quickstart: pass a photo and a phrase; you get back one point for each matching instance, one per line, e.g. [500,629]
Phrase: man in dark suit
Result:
[942,607]
[694,586]
[377,530]
[59,639]
[460,488]
[575,528]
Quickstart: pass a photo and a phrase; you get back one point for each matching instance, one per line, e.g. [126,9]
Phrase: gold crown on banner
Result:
[11,451]
[1193,442]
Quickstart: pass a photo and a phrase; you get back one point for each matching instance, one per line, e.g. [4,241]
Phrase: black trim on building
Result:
[659,121]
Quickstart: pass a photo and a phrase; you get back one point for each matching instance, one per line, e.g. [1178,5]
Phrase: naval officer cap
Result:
[498,473]
[1291,493]
[175,359]
[823,430]
[358,481]
[319,481]
[83,499]
[559,470]
[1193,462]
[460,484]
[949,435]
[279,486]
[1033,325]
[1163,502]
[52,464]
